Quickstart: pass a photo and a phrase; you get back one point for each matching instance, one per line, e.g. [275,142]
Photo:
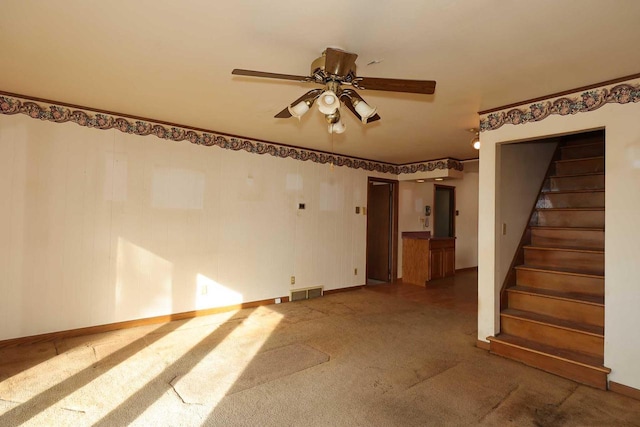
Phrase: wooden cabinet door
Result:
[437,270]
[449,262]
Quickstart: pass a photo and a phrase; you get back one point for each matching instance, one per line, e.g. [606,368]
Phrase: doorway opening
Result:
[382,231]
[444,208]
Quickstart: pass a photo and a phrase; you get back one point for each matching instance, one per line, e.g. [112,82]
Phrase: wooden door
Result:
[379,231]
[444,207]
[449,262]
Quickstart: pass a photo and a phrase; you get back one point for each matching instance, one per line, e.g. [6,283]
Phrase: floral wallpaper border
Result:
[587,101]
[61,114]
[430,166]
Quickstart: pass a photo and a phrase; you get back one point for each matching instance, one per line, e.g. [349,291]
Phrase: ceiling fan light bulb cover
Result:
[365,110]
[299,109]
[338,127]
[328,102]
[475,142]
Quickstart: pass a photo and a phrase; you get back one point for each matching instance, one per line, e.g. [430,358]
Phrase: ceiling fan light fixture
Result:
[364,109]
[328,102]
[299,109]
[335,70]
[475,142]
[338,127]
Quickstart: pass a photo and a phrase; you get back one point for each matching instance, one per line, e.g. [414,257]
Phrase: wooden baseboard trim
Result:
[350,288]
[52,336]
[483,345]
[460,270]
[624,390]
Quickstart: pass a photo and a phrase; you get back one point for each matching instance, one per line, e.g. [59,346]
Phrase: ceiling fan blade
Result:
[338,62]
[285,114]
[251,73]
[396,85]
[373,118]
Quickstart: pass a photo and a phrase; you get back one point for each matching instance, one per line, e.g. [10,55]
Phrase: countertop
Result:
[425,235]
[416,234]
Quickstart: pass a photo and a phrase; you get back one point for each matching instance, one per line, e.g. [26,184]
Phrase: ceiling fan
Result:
[333,70]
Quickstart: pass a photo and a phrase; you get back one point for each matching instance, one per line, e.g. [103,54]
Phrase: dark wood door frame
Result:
[393,224]
[452,208]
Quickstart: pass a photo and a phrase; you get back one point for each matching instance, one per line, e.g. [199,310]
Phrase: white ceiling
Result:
[172,61]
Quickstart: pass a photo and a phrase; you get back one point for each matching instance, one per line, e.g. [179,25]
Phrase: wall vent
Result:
[306,293]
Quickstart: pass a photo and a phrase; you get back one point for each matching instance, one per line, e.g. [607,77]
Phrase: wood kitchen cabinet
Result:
[426,258]
[442,253]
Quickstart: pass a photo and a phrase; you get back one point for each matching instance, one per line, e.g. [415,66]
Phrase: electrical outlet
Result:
[357,209]
[355,271]
[293,280]
[204,289]
[504,228]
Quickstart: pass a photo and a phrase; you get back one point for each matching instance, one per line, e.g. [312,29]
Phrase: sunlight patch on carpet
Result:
[278,363]
[212,379]
[264,367]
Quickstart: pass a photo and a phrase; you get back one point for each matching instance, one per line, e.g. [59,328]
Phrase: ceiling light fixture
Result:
[300,108]
[475,142]
[336,125]
[328,102]
[364,109]
[335,70]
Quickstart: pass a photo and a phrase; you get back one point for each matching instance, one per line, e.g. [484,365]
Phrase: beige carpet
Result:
[360,358]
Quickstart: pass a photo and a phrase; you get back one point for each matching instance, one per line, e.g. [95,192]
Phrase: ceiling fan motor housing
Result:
[339,67]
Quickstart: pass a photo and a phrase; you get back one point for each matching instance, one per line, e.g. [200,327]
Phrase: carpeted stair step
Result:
[593,137]
[567,237]
[589,181]
[572,199]
[574,365]
[583,260]
[579,166]
[582,151]
[559,280]
[570,217]
[575,307]
[551,331]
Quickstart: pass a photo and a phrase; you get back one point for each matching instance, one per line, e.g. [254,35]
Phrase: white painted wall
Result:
[100,226]
[622,236]
[467,221]
[414,196]
[522,168]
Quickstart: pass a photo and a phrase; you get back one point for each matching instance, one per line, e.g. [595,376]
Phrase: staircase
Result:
[552,316]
